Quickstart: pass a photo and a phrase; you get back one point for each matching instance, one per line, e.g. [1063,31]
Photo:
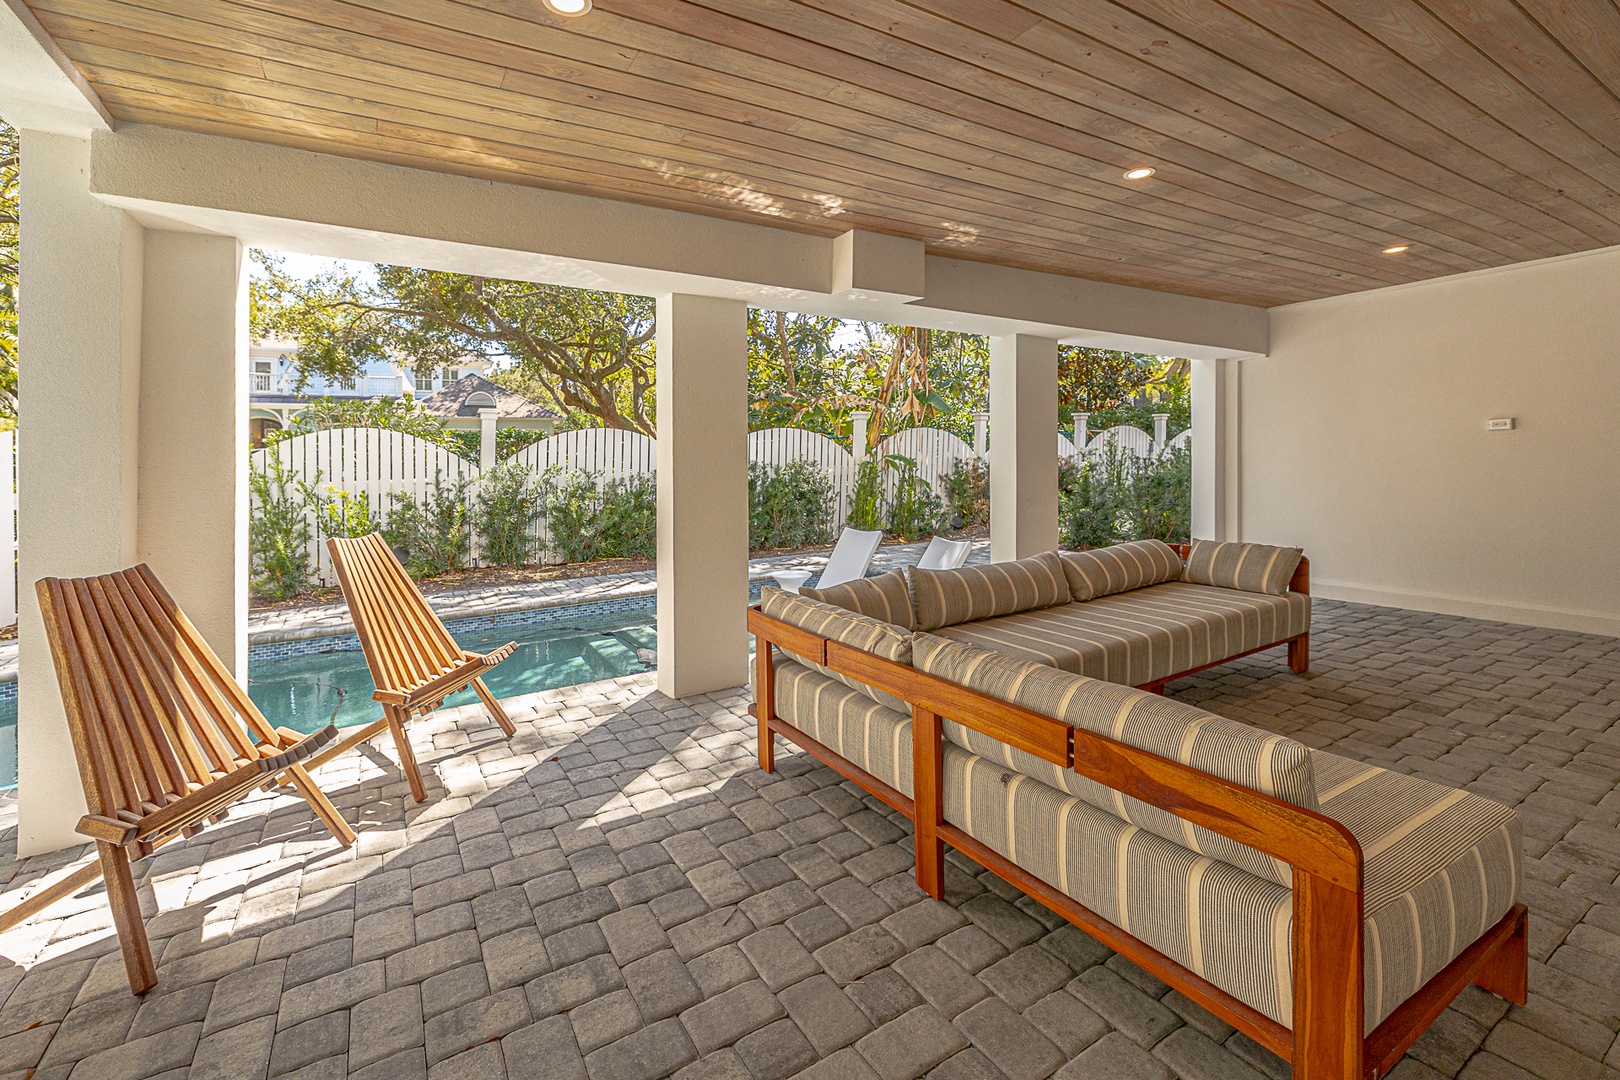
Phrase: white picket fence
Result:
[382,464]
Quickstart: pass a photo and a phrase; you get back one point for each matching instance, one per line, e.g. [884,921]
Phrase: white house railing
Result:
[263,382]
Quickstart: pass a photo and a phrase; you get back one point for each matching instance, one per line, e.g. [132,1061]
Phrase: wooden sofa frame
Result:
[1327,1041]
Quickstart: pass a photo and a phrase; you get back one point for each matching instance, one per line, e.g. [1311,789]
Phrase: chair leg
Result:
[494,707]
[1299,654]
[407,759]
[126,912]
[322,806]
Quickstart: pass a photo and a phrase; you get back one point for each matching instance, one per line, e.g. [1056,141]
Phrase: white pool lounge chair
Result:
[943,554]
[849,559]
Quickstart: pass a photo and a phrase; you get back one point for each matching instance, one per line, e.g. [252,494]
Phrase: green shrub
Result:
[436,532]
[1118,496]
[279,532]
[789,505]
[967,491]
[627,522]
[585,523]
[339,513]
[914,511]
[508,508]
[866,502]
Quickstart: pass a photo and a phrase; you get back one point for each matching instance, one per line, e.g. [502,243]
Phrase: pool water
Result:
[308,692]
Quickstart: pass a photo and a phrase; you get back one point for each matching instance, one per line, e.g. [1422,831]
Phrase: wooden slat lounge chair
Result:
[166,740]
[414,661]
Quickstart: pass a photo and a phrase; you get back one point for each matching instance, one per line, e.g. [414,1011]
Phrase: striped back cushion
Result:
[1256,759]
[884,597]
[1247,567]
[857,631]
[1120,568]
[948,597]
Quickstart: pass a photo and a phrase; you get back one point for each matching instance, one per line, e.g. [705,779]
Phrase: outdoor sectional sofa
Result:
[1327,908]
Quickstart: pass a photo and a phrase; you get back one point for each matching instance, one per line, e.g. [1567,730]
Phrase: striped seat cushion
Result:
[1259,760]
[1146,634]
[948,597]
[1216,920]
[1257,568]
[848,723]
[1442,867]
[857,631]
[885,597]
[1120,568]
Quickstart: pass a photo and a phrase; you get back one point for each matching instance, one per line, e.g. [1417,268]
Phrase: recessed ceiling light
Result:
[1394,249]
[1139,174]
[569,7]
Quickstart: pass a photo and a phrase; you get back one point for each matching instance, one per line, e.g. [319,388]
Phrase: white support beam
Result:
[80,345]
[1023,441]
[702,371]
[270,196]
[193,525]
[40,89]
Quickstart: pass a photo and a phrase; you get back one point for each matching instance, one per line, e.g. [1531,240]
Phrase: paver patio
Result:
[617,892]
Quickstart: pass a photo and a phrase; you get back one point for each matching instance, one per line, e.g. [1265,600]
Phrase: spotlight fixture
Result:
[1139,174]
[1394,249]
[570,8]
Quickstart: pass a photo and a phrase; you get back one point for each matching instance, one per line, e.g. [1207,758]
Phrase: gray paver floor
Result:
[617,892]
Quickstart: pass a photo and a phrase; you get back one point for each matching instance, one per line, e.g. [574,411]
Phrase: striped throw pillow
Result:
[948,597]
[884,597]
[857,631]
[1246,567]
[1120,568]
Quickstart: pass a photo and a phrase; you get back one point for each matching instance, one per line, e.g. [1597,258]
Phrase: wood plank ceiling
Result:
[1293,140]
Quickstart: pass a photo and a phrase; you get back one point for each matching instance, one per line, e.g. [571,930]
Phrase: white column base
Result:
[1023,446]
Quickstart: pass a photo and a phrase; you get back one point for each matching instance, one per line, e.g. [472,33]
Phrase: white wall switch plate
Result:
[1502,423]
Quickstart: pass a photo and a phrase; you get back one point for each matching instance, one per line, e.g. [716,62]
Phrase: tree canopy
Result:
[590,355]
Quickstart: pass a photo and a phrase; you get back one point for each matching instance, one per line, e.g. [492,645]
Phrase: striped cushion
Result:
[1259,760]
[1117,569]
[1257,568]
[856,631]
[1442,867]
[885,597]
[1146,634]
[1229,926]
[949,597]
[861,731]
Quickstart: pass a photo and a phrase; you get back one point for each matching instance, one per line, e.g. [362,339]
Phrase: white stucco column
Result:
[1023,446]
[702,372]
[193,523]
[80,344]
[1215,462]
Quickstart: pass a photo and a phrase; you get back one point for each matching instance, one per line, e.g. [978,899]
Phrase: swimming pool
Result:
[309,691]
[325,680]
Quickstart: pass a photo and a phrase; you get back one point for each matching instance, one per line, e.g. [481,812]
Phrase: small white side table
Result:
[791,580]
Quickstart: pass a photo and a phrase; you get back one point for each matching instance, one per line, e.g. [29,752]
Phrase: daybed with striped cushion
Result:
[1327,908]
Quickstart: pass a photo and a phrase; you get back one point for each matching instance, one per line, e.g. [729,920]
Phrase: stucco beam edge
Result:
[348,208]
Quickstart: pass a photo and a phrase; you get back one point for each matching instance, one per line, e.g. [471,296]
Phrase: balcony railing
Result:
[364,386]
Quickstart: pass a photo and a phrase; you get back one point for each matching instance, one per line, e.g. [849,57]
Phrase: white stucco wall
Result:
[1363,440]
